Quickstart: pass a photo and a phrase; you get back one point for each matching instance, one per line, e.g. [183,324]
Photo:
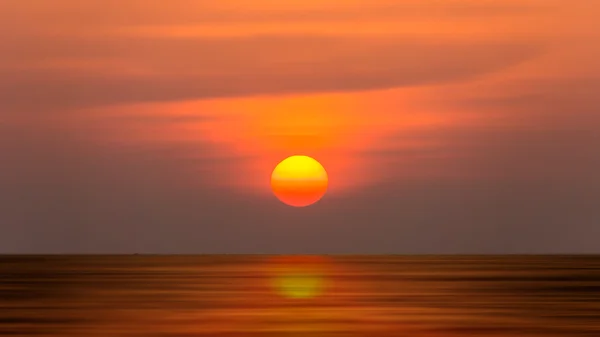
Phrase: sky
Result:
[446,127]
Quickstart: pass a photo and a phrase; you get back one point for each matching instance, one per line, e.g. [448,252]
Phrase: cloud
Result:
[86,54]
[537,131]
[110,13]
[162,69]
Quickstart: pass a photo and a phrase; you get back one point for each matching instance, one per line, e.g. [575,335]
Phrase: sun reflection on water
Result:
[298,277]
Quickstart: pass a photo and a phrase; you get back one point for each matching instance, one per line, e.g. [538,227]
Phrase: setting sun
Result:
[299,181]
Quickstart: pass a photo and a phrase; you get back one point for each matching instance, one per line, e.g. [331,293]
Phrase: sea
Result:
[295,295]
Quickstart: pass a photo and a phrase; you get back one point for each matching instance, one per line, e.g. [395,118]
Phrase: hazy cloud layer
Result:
[73,54]
[159,69]
[113,13]
[505,160]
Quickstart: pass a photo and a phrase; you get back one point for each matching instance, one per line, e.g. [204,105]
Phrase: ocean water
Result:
[235,295]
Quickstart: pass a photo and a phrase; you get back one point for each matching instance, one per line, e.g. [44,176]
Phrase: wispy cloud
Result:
[157,70]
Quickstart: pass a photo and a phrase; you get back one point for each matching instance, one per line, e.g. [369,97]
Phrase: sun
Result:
[299,181]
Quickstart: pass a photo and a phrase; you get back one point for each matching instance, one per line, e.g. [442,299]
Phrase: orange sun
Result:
[299,181]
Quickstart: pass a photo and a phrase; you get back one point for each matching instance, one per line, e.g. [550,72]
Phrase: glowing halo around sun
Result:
[299,181]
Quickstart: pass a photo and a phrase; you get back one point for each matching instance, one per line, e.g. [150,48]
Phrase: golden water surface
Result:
[238,295]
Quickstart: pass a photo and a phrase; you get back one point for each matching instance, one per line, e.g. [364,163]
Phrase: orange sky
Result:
[211,95]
